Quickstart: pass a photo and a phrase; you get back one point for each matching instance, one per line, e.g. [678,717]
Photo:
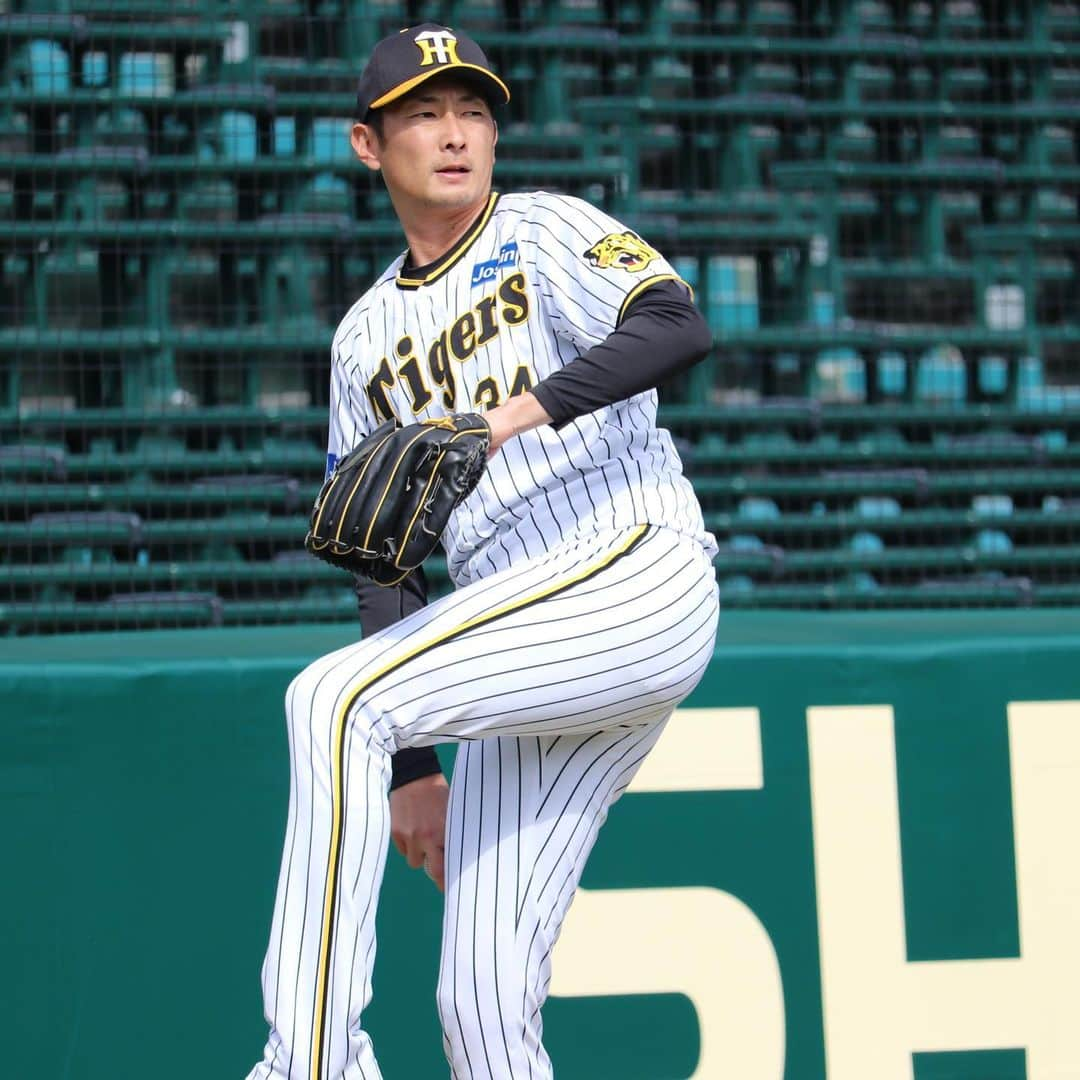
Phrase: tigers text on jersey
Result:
[538,279]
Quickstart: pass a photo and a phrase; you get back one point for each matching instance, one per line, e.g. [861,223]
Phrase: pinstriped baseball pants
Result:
[557,676]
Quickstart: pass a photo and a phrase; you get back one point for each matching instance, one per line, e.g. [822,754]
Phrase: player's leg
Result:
[524,814]
[305,1044]
[588,637]
[612,631]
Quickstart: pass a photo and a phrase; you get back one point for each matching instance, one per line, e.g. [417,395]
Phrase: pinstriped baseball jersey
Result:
[539,279]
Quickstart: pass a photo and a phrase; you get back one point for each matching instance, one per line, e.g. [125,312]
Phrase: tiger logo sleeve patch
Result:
[622,251]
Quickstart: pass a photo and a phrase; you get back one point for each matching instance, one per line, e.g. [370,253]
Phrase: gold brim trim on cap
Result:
[403,88]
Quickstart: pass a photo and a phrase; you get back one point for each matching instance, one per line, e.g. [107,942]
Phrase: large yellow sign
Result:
[879,1008]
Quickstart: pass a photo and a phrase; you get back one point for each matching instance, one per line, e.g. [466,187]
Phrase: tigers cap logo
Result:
[437,47]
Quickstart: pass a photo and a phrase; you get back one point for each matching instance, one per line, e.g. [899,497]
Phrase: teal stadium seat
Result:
[868,81]
[328,140]
[838,375]
[42,67]
[771,17]
[232,138]
[776,76]
[758,509]
[941,375]
[877,507]
[570,13]
[919,18]
[146,75]
[866,543]
[664,18]
[965,81]
[868,17]
[991,542]
[214,199]
[94,69]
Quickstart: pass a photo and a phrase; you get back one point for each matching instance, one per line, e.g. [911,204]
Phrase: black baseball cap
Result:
[401,62]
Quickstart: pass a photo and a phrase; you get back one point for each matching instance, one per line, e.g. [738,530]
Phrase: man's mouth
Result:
[453,169]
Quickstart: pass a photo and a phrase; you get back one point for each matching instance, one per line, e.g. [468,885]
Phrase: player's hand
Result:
[418,824]
[520,413]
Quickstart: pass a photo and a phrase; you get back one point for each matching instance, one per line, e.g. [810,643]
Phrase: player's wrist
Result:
[513,417]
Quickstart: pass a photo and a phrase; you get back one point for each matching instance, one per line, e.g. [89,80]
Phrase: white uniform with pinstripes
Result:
[585,610]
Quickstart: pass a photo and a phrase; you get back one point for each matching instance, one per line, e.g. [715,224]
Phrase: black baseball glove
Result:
[381,511]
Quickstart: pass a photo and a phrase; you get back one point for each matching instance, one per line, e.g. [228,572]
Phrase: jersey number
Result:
[487,394]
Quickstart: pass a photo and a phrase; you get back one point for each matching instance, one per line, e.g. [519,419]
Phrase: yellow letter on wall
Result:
[701,942]
[880,1007]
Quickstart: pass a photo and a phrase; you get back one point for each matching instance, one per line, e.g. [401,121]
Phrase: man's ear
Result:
[495,125]
[365,144]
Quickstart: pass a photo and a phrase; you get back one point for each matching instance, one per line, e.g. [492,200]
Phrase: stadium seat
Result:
[327,140]
[41,67]
[838,375]
[746,152]
[771,17]
[993,376]
[1054,206]
[855,140]
[750,556]
[865,543]
[146,75]
[876,507]
[868,16]
[123,127]
[770,77]
[664,18]
[941,375]
[231,138]
[725,16]
[1064,82]
[28,461]
[193,290]
[735,590]
[868,81]
[992,542]
[965,81]
[213,199]
[758,509]
[71,288]
[571,13]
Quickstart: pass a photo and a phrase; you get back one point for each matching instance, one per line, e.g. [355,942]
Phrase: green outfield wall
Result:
[853,855]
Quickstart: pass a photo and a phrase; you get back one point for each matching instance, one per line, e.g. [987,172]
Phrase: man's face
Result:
[437,148]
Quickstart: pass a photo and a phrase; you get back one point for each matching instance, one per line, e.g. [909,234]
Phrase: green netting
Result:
[876,202]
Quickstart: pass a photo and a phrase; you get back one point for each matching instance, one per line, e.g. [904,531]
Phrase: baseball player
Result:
[585,602]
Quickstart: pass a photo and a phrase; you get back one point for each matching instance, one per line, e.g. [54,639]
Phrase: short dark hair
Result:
[374,120]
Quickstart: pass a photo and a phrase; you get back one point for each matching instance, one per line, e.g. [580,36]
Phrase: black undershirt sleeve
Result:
[382,607]
[661,334]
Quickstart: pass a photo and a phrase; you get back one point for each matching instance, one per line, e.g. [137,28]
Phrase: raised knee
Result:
[316,700]
[307,716]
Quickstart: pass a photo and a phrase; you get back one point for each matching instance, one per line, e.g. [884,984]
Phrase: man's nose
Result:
[453,133]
